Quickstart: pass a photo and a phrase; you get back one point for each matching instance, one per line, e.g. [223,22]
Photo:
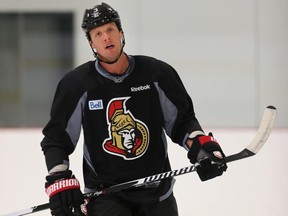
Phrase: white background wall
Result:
[231,54]
[232,57]
[252,187]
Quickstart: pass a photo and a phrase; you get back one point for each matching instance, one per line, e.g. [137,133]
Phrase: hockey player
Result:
[125,105]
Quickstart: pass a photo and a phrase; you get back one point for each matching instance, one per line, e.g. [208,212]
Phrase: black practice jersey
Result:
[124,119]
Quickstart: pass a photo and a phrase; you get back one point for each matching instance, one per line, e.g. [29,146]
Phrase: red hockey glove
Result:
[208,156]
[65,196]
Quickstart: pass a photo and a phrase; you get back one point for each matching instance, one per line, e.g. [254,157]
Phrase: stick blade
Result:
[264,130]
[261,137]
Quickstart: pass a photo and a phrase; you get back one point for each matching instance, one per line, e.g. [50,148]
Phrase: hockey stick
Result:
[262,135]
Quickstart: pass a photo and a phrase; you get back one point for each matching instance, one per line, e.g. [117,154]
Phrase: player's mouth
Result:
[109,47]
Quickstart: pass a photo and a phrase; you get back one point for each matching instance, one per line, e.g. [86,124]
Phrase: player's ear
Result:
[91,44]
[122,37]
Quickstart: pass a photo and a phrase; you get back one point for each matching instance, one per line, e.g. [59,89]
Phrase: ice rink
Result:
[230,55]
[256,186]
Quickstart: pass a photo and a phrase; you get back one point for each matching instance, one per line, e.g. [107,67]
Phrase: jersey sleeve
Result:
[62,132]
[177,106]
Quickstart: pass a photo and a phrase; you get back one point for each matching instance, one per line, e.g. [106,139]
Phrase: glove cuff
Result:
[194,150]
[207,139]
[62,185]
[59,182]
[209,142]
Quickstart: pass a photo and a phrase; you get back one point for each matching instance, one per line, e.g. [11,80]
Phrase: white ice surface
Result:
[257,186]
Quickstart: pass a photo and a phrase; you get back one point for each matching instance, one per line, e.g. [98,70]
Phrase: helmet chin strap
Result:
[100,59]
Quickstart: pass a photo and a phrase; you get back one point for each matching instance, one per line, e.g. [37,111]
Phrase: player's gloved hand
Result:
[65,196]
[208,156]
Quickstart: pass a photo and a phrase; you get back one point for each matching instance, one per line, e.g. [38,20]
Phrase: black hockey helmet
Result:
[99,15]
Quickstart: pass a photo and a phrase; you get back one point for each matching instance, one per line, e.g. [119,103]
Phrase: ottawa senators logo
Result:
[129,137]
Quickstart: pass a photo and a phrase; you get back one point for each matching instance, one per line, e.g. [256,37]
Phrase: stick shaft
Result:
[257,143]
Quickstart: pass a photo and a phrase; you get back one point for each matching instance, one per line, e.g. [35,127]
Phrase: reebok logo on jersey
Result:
[95,104]
[140,88]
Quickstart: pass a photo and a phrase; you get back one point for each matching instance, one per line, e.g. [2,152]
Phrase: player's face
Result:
[107,40]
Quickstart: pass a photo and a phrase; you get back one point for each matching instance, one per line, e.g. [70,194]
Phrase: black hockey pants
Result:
[113,206]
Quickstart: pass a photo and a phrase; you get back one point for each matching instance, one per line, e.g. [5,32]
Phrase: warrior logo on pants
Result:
[129,137]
